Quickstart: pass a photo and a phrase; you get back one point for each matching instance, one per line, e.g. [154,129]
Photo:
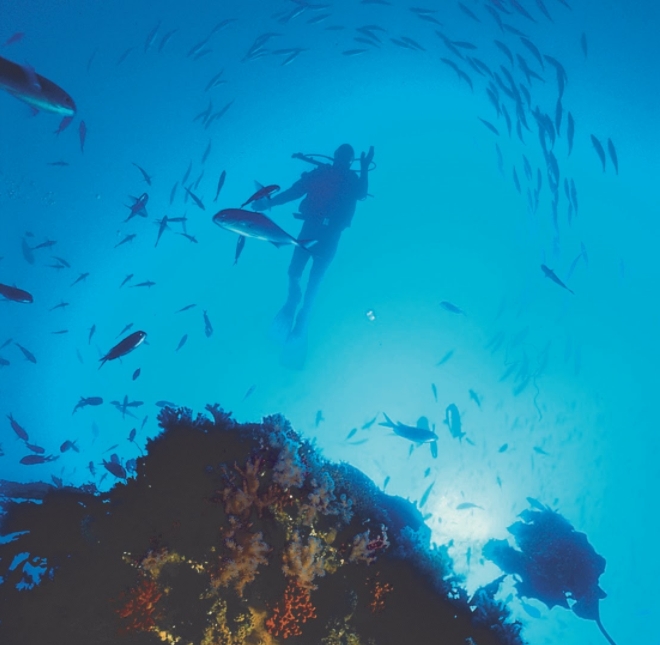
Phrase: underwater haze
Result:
[504,261]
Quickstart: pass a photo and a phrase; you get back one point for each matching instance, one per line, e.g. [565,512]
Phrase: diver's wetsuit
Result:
[328,208]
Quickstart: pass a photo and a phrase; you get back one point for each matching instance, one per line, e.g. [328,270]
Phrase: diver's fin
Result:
[294,352]
[280,328]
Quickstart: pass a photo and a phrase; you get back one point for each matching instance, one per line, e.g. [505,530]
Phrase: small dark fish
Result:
[62,261]
[124,330]
[62,305]
[4,362]
[61,331]
[44,245]
[598,147]
[445,358]
[57,481]
[467,12]
[221,183]
[434,389]
[536,504]
[14,38]
[466,505]
[208,328]
[239,247]
[124,347]
[369,423]
[490,126]
[540,451]
[612,150]
[151,38]
[38,449]
[185,308]
[82,133]
[503,447]
[147,283]
[425,496]
[18,429]
[92,330]
[351,434]
[412,433]
[453,421]
[85,401]
[126,279]
[262,192]
[549,273]
[196,199]
[131,436]
[251,389]
[31,460]
[28,355]
[319,418]
[127,238]
[173,192]
[570,132]
[161,228]
[207,152]
[15,294]
[448,306]
[92,469]
[115,469]
[144,422]
[69,445]
[475,397]
[583,44]
[215,81]
[182,342]
[111,448]
[146,177]
[136,373]
[80,278]
[165,39]
[139,206]
[386,482]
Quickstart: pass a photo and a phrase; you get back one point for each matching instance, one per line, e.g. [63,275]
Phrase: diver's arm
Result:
[295,192]
[363,181]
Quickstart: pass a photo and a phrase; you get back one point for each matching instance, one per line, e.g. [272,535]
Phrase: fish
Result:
[69,445]
[18,429]
[434,389]
[386,482]
[31,460]
[34,448]
[544,10]
[208,328]
[612,150]
[92,469]
[251,389]
[256,225]
[540,450]
[196,199]
[490,126]
[62,305]
[14,38]
[475,397]
[368,424]
[4,362]
[165,39]
[466,505]
[136,373]
[131,436]
[85,401]
[147,283]
[27,252]
[126,279]
[598,147]
[319,418]
[165,404]
[124,330]
[124,347]
[534,49]
[15,294]
[185,308]
[412,433]
[570,132]
[80,278]
[44,245]
[138,207]
[262,192]
[448,306]
[26,85]
[549,273]
[28,355]
[240,243]
[351,433]
[123,407]
[445,358]
[504,49]
[503,447]
[82,135]
[115,469]
[145,176]
[182,342]
[215,81]
[453,421]
[468,12]
[151,38]
[161,228]
[221,183]
[128,238]
[425,496]
[535,503]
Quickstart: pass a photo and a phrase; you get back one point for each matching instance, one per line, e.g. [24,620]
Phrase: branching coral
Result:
[365,548]
[304,562]
[294,609]
[139,609]
[289,471]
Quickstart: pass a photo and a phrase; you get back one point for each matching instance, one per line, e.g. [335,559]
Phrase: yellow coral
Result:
[304,562]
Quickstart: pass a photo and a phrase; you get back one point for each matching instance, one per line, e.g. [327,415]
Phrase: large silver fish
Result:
[257,226]
[25,84]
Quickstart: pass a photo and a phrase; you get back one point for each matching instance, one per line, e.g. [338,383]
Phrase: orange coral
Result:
[140,607]
[379,592]
[287,615]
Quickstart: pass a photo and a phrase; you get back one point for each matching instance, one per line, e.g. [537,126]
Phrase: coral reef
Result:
[234,534]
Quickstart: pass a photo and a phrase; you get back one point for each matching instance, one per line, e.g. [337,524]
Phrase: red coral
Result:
[296,608]
[379,592]
[140,607]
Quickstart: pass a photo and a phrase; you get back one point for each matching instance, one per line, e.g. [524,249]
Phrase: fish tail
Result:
[389,423]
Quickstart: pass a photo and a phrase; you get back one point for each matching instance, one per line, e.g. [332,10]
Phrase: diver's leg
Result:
[282,323]
[322,258]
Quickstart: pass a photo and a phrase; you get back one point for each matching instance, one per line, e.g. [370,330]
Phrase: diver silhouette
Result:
[331,194]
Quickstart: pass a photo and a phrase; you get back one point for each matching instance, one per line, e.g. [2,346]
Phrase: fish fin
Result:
[277,244]
[389,424]
[32,76]
[258,185]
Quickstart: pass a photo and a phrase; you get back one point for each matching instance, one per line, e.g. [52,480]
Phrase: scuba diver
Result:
[331,194]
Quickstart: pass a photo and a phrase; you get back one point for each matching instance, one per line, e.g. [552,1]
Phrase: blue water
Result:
[442,224]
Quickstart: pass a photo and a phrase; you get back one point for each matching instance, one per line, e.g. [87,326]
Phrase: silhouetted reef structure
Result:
[233,534]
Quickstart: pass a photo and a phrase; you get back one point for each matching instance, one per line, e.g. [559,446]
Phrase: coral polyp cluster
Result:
[235,534]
